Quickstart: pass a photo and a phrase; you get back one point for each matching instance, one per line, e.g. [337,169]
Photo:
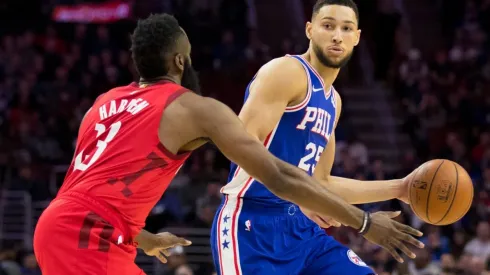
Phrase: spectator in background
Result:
[184,270]
[422,265]
[480,245]
[438,245]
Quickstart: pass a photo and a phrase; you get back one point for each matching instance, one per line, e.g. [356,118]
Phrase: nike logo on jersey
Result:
[319,118]
[115,107]
[316,89]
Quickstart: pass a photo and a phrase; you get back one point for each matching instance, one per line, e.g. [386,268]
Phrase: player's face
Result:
[190,80]
[333,34]
[189,76]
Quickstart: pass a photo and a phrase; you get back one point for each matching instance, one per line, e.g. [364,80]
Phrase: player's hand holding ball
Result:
[391,235]
[158,244]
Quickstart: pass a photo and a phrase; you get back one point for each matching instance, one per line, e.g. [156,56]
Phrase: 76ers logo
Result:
[354,258]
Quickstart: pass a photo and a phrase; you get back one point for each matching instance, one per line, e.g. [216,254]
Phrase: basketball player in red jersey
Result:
[134,140]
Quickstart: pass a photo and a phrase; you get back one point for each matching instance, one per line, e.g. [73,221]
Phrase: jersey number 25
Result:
[308,162]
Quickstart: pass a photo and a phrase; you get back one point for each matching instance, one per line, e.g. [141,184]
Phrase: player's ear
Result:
[308,30]
[179,61]
[358,37]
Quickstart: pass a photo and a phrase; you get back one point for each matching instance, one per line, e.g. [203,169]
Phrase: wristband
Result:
[366,223]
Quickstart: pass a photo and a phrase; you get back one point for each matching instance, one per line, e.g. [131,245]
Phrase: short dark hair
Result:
[152,40]
[347,3]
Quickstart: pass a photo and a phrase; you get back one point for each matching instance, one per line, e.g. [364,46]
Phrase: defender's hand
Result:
[392,235]
[322,221]
[158,244]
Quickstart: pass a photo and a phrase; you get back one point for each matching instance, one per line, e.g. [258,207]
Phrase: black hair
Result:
[153,39]
[347,3]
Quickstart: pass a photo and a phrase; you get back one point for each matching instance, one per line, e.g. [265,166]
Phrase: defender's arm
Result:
[211,119]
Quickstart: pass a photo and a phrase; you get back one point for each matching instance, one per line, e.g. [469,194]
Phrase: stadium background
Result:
[417,88]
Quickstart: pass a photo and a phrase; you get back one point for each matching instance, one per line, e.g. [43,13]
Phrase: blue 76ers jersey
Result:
[299,138]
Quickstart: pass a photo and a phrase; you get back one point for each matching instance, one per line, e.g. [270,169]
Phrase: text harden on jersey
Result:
[134,107]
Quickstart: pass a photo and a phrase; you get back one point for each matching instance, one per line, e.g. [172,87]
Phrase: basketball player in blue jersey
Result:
[292,107]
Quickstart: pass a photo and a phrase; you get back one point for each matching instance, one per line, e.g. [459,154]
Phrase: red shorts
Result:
[72,238]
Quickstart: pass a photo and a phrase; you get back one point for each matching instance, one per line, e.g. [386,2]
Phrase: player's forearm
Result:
[357,191]
[303,190]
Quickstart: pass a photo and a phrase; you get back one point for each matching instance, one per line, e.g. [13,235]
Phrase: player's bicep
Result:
[218,123]
[276,85]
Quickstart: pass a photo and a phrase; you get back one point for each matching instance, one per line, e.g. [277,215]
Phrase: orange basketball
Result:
[441,192]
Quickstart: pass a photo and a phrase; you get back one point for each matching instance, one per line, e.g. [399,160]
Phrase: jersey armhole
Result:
[302,104]
[162,147]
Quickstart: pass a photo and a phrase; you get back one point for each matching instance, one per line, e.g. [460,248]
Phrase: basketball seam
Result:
[454,197]
[428,194]
[468,207]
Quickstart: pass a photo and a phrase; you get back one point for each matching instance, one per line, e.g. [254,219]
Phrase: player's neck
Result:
[328,74]
[158,79]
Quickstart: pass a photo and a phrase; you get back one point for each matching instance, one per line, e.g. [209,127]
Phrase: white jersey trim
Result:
[306,100]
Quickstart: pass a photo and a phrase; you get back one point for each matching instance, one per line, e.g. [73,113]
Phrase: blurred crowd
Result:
[50,74]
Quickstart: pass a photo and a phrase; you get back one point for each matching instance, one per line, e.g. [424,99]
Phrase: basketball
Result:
[440,192]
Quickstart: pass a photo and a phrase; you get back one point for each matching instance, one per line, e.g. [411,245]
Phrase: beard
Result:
[190,80]
[327,62]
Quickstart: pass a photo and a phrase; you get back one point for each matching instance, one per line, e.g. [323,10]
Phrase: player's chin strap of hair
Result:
[366,223]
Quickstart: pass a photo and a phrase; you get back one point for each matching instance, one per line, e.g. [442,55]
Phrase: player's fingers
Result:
[184,242]
[411,240]
[329,221]
[165,252]
[391,214]
[393,252]
[409,230]
[318,220]
[162,257]
[403,248]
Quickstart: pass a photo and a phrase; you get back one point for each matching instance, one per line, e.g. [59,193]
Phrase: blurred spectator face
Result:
[332,45]
[209,156]
[61,74]
[485,138]
[123,58]
[213,189]
[378,166]
[38,63]
[228,37]
[106,57]
[464,262]
[448,263]
[30,262]
[102,32]
[452,139]
[184,270]
[80,31]
[441,57]
[482,231]
[477,265]
[423,258]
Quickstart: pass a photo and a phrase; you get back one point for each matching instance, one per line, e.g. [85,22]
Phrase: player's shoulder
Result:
[284,74]
[285,66]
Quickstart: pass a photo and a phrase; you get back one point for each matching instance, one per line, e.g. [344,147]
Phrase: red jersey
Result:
[119,159]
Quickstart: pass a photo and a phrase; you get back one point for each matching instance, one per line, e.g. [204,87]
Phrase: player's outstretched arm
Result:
[211,119]
[356,191]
